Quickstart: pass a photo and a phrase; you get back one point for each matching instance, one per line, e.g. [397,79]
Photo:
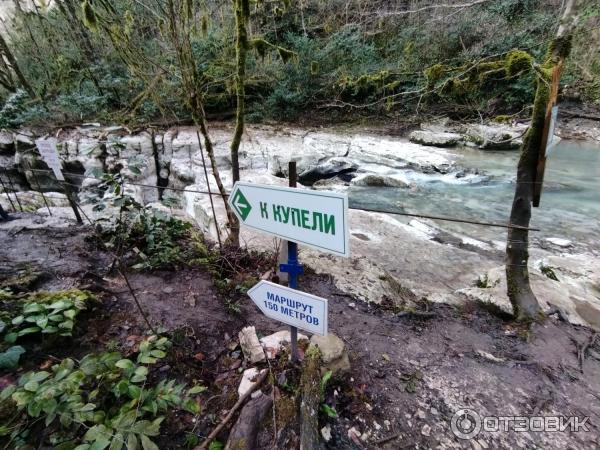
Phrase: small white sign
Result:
[552,138]
[299,309]
[318,219]
[49,153]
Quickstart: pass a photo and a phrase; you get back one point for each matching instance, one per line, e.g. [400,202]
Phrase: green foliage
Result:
[157,239]
[9,359]
[104,400]
[12,108]
[47,313]
[306,55]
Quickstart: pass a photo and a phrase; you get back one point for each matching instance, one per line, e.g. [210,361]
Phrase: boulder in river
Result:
[333,167]
[435,138]
[497,137]
[378,181]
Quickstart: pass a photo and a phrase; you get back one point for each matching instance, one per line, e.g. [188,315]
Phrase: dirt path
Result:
[409,374]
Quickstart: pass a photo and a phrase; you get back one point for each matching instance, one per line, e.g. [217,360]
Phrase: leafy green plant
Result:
[157,239]
[9,359]
[325,408]
[48,313]
[104,400]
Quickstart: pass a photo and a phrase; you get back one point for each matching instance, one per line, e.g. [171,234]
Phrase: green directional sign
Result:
[318,219]
[241,205]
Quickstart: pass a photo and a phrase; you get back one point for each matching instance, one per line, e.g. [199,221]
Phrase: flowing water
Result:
[569,208]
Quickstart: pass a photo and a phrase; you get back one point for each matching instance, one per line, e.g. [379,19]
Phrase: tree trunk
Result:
[310,385]
[241,48]
[5,50]
[522,298]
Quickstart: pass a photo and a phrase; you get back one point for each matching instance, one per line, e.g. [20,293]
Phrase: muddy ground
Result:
[410,372]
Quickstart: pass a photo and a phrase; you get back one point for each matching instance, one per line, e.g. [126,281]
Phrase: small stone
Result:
[168,290]
[376,425]
[334,354]
[326,433]
[387,424]
[354,434]
[200,356]
[248,380]
[369,407]
[352,305]
[434,411]
[420,414]
[251,347]
[386,357]
[426,430]
[232,345]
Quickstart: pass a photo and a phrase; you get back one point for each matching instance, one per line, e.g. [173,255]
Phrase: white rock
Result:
[489,356]
[436,139]
[426,430]
[560,242]
[326,433]
[248,380]
[274,343]
[251,347]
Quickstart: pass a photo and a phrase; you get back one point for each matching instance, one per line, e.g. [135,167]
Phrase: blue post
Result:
[293,267]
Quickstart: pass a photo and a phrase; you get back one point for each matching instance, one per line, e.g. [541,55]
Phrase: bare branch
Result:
[425,8]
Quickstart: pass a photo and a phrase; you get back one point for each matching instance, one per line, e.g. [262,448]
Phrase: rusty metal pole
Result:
[7,195]
[39,187]
[12,188]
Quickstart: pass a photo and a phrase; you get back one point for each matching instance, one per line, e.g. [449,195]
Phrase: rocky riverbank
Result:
[414,258]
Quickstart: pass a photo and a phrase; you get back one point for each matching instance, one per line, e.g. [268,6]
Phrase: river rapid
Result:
[569,208]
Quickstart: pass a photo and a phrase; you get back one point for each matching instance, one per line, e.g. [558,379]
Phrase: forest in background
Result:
[112,61]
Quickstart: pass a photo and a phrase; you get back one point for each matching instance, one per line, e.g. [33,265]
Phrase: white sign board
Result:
[49,153]
[298,309]
[552,139]
[318,219]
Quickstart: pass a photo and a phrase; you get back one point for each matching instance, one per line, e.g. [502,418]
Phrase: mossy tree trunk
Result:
[522,298]
[7,53]
[310,385]
[241,48]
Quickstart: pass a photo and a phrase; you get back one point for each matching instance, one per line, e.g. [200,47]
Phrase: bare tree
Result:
[522,298]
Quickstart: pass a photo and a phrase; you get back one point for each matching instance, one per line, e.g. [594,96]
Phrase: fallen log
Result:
[245,431]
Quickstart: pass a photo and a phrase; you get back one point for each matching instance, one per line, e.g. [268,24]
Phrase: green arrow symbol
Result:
[241,204]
